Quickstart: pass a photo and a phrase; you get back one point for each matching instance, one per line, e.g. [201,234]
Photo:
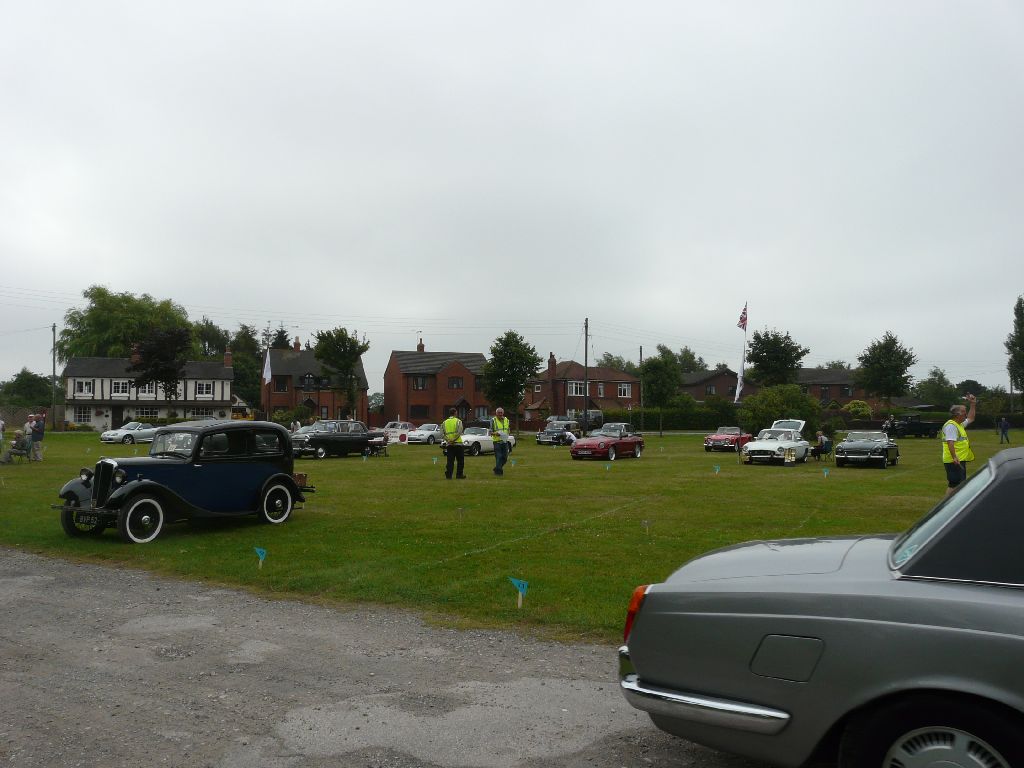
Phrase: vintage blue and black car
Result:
[198,469]
[881,650]
[868,449]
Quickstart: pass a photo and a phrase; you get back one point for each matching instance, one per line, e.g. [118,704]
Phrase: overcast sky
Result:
[452,170]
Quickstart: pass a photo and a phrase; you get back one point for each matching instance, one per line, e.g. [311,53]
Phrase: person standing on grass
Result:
[956,448]
[1004,430]
[3,426]
[455,451]
[499,433]
[38,433]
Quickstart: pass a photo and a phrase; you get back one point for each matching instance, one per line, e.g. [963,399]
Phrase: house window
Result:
[732,390]
[847,390]
[804,388]
[419,411]
[309,382]
[454,382]
[324,413]
[201,413]
[709,389]
[600,389]
[147,389]
[147,413]
[419,382]
[280,383]
[83,414]
[204,388]
[625,390]
[576,389]
[536,387]
[481,412]
[83,387]
[824,393]
[119,387]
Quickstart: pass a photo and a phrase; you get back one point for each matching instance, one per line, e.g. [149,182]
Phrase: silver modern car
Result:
[132,432]
[891,651]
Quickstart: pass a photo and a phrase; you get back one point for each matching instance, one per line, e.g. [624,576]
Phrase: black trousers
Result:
[456,453]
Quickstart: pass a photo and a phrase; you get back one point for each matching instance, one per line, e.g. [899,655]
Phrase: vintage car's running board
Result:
[696,708]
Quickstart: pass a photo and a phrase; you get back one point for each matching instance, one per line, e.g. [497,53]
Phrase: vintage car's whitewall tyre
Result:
[474,449]
[637,450]
[141,519]
[933,730]
[276,506]
[321,452]
[67,520]
[127,439]
[611,453]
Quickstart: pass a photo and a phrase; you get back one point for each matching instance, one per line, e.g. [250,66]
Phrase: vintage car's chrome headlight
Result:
[746,447]
[120,476]
[780,450]
[85,474]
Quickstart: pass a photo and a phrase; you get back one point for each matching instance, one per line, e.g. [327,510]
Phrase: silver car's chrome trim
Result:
[697,708]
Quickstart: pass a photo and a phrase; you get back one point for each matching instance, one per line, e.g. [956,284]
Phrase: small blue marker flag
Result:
[718,468]
[607,467]
[519,584]
[261,554]
[826,472]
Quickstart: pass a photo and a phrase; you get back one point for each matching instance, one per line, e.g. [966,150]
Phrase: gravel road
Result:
[109,667]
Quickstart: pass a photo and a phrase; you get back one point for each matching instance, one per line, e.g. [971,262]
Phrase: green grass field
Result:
[583,534]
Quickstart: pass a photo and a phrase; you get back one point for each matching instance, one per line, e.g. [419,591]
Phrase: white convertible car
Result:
[478,440]
[773,443]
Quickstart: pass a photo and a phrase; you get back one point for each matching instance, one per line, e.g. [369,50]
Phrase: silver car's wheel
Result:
[276,506]
[474,449]
[931,730]
[430,439]
[128,440]
[141,520]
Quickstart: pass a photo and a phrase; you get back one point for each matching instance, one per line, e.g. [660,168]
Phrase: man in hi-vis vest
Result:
[499,433]
[956,448]
[455,451]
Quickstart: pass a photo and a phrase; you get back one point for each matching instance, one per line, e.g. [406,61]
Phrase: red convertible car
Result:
[609,442]
[727,439]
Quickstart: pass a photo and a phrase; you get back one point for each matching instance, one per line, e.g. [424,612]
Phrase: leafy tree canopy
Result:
[281,339]
[376,401]
[780,402]
[1015,347]
[162,357]
[885,368]
[112,322]
[244,343]
[970,386]
[661,381]
[339,353]
[687,360]
[858,409]
[211,339]
[834,365]
[247,370]
[28,390]
[617,363]
[775,358]
[936,389]
[513,361]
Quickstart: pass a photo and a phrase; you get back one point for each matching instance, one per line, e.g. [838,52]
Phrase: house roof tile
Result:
[432,362]
[296,364]
[118,367]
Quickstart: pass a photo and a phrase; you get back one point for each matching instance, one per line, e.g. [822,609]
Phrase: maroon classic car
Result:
[609,442]
[727,439]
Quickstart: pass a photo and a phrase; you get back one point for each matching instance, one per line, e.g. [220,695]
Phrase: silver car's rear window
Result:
[910,543]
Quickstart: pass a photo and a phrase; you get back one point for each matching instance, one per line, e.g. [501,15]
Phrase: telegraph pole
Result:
[641,388]
[586,374]
[53,381]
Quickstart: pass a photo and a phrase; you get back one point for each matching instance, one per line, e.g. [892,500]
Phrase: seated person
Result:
[823,446]
[20,446]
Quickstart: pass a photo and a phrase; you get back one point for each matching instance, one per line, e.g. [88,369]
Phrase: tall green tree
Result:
[661,381]
[513,361]
[162,357]
[885,368]
[28,390]
[616,363]
[112,322]
[211,339]
[376,402]
[281,339]
[786,401]
[246,384]
[971,386]
[245,341]
[1015,347]
[834,365]
[339,352]
[936,389]
[775,358]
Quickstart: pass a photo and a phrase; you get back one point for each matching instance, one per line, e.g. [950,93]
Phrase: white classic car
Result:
[772,444]
[398,431]
[478,440]
[426,433]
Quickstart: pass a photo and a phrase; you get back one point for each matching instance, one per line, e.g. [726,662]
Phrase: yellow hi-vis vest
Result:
[499,426]
[962,446]
[452,429]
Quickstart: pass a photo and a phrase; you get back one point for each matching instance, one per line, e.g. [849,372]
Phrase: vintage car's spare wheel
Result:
[141,519]
[276,506]
[932,730]
[71,526]
[128,440]
[611,453]
[321,452]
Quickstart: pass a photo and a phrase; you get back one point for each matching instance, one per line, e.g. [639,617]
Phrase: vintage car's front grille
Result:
[762,454]
[102,479]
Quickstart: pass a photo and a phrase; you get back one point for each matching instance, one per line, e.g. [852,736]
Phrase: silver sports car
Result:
[889,651]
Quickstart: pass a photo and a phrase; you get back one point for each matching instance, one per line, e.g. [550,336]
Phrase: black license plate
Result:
[86,518]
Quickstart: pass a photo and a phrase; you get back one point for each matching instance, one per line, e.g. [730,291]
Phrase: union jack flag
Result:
[743,319]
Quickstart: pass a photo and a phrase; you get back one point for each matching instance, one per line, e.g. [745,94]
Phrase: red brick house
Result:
[422,386]
[297,378]
[560,391]
[826,385]
[722,382]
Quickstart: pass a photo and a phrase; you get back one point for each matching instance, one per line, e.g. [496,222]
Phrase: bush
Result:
[857,409]
[786,401]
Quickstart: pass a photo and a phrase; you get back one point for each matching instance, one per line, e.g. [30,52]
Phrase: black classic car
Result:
[334,437]
[875,449]
[554,432]
[880,650]
[198,469]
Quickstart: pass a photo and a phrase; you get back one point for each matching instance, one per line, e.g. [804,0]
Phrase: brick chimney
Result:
[420,347]
[297,345]
[136,358]
[228,363]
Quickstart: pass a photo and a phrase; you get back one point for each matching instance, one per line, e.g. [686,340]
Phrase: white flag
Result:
[739,383]
[266,369]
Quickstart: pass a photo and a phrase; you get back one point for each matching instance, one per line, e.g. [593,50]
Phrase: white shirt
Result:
[950,432]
